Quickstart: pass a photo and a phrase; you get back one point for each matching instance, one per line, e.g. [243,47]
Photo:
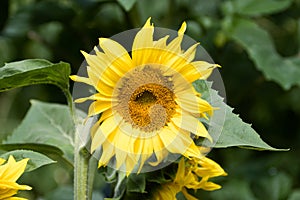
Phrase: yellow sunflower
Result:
[191,174]
[9,173]
[147,102]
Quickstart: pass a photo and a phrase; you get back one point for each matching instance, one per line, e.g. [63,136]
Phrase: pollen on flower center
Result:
[145,99]
[151,106]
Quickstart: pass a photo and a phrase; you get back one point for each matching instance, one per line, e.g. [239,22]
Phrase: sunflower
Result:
[146,99]
[9,173]
[191,174]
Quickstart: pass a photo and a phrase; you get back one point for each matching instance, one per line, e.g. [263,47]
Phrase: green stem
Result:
[91,175]
[81,163]
[81,159]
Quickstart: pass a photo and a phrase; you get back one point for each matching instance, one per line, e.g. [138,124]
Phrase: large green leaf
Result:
[34,71]
[259,46]
[46,123]
[228,128]
[238,133]
[258,7]
[36,160]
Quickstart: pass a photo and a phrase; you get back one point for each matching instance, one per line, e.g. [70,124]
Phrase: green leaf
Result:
[258,44]
[41,148]
[127,4]
[136,183]
[238,133]
[235,132]
[258,7]
[34,71]
[46,123]
[50,151]
[36,160]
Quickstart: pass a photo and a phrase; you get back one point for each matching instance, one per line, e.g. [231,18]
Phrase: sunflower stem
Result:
[81,159]
[81,163]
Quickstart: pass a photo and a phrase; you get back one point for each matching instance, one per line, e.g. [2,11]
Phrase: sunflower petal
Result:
[81,79]
[107,153]
[187,195]
[14,170]
[179,178]
[191,124]
[104,130]
[117,55]
[193,104]
[176,142]
[97,97]
[98,107]
[142,43]
[198,70]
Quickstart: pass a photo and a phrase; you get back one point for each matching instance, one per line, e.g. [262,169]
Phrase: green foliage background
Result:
[257,42]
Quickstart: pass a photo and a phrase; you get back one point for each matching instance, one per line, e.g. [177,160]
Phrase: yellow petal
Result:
[193,104]
[81,79]
[13,185]
[143,159]
[105,129]
[107,153]
[98,97]
[177,142]
[175,44]
[95,128]
[120,157]
[101,86]
[209,168]
[108,77]
[96,63]
[130,164]
[122,141]
[182,28]
[198,70]
[189,54]
[5,193]
[209,186]
[179,178]
[187,195]
[161,43]
[106,114]
[98,107]
[15,169]
[159,150]
[178,61]
[120,61]
[142,43]
[191,124]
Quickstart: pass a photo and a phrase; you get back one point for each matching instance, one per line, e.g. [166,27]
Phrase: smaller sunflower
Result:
[9,174]
[191,174]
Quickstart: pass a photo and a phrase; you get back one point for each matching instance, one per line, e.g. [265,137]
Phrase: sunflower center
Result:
[145,99]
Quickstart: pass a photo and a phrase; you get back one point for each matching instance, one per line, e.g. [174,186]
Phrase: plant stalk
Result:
[81,159]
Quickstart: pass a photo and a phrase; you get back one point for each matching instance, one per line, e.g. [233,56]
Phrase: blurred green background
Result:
[257,42]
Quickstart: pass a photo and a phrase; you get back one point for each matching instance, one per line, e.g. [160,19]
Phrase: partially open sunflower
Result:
[147,102]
